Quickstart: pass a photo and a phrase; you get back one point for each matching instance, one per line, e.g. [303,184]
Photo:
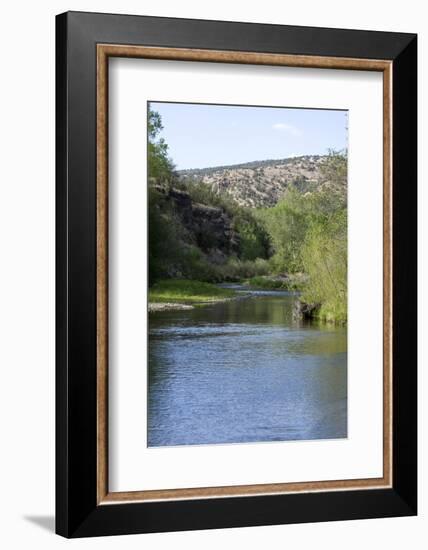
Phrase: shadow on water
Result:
[244,371]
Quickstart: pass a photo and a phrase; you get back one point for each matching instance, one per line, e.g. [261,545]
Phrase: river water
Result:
[244,371]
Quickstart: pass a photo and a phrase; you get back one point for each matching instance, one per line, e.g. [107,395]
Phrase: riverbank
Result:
[177,294]
[310,311]
[291,282]
[185,294]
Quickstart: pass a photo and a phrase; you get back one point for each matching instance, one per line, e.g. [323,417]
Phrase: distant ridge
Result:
[249,164]
[259,183]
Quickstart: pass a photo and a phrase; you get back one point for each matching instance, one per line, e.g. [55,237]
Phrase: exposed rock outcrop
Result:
[210,227]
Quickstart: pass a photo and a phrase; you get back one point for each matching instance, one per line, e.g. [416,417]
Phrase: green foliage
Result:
[164,237]
[287,224]
[254,240]
[271,283]
[236,269]
[194,265]
[324,256]
[267,283]
[185,291]
[154,124]
[160,166]
[198,267]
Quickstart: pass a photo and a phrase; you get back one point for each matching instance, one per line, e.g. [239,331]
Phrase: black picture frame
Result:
[77,511]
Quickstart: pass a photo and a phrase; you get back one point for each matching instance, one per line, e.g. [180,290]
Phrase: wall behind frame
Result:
[27,272]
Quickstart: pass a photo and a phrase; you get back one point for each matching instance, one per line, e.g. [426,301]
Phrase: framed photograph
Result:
[236,274]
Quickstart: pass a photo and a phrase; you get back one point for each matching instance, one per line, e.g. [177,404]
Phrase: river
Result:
[244,371]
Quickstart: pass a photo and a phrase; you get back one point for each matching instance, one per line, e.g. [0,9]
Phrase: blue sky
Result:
[212,135]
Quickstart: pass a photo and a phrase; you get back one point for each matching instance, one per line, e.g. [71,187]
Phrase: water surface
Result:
[243,371]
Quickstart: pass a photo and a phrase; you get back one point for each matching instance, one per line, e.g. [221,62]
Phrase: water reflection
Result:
[243,371]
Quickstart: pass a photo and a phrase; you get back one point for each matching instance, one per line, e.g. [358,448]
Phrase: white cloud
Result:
[284,127]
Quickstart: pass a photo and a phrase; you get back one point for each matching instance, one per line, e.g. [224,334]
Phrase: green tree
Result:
[160,166]
[254,240]
[287,223]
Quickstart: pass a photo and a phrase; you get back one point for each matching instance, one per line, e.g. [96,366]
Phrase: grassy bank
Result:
[187,292]
[331,313]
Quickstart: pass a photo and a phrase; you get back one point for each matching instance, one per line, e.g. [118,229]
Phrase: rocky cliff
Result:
[208,227]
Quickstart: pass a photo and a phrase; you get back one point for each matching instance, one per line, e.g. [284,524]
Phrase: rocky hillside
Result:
[259,183]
